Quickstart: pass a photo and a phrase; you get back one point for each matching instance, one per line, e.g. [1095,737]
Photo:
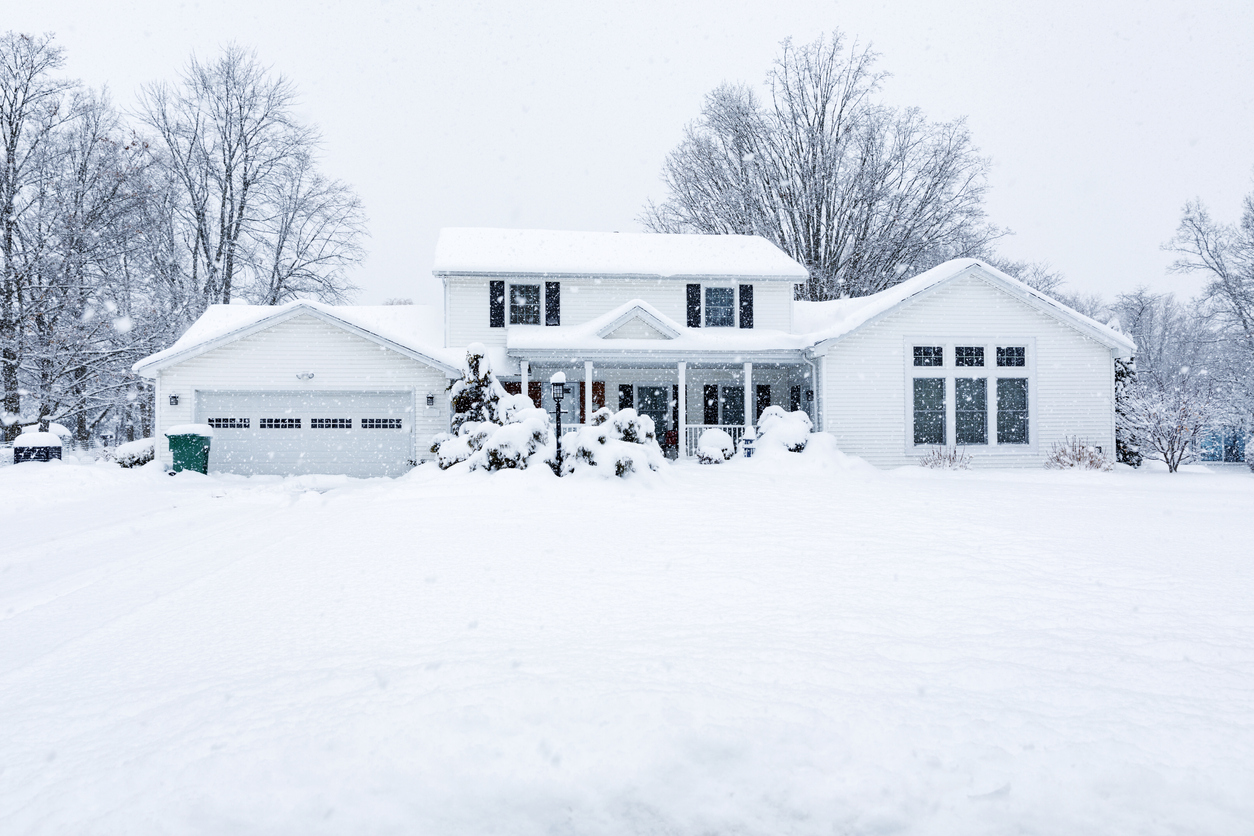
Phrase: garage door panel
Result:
[354,433]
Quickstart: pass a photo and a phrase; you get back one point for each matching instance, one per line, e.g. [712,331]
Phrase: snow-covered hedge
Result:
[492,430]
[614,444]
[1077,454]
[135,453]
[715,447]
[782,430]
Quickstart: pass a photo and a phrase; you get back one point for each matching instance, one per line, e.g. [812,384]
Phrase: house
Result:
[693,330]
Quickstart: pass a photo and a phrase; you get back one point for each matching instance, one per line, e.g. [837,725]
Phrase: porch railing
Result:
[693,434]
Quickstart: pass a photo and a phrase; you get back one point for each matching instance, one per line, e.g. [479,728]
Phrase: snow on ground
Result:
[798,645]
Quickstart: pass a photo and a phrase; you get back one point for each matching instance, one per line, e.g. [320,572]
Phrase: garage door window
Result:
[279,424]
[380,423]
[228,423]
[330,423]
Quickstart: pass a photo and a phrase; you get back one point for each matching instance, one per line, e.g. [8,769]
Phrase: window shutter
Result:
[694,306]
[552,303]
[496,304]
[626,396]
[746,306]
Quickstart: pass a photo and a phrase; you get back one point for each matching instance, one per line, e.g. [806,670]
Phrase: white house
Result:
[693,330]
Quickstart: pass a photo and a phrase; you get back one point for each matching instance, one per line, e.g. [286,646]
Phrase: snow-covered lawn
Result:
[748,648]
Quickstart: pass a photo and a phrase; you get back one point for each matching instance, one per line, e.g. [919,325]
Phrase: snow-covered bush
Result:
[1075,453]
[946,458]
[477,411]
[623,443]
[715,447]
[524,438]
[781,430]
[135,453]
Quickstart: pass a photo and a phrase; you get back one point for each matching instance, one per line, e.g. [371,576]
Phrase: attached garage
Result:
[308,388]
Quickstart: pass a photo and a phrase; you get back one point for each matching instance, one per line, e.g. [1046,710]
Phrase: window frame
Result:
[509,302]
[951,371]
[731,308]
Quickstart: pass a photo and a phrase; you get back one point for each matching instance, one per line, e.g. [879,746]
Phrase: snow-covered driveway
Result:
[738,649]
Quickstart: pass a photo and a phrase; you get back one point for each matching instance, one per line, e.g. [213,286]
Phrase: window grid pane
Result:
[330,423]
[969,355]
[971,410]
[929,355]
[733,405]
[381,423]
[524,304]
[229,423]
[1011,356]
[929,410]
[1012,410]
[720,307]
[279,424]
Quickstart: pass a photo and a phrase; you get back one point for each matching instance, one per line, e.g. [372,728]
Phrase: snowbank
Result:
[190,429]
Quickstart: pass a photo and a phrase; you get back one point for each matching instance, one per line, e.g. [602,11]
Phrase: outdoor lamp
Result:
[558,382]
[430,399]
[174,400]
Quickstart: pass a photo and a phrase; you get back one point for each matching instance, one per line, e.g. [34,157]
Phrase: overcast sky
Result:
[1101,118]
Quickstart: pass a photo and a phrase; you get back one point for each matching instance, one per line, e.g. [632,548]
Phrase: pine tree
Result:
[1126,449]
[477,394]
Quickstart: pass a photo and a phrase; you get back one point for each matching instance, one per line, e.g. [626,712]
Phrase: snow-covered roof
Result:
[556,253]
[825,321]
[415,330]
[593,336]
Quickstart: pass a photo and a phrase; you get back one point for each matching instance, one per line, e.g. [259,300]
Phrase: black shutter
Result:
[552,303]
[626,396]
[746,306]
[496,304]
[694,306]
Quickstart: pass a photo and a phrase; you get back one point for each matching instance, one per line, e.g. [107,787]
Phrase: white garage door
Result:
[356,433]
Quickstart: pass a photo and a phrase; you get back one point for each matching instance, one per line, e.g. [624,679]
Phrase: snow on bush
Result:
[1077,454]
[620,443]
[946,458]
[715,447]
[135,453]
[515,444]
[781,430]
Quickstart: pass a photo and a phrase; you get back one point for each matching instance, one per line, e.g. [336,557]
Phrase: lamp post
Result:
[558,384]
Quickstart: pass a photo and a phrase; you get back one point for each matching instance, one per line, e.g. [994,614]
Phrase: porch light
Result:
[558,383]
[430,399]
[174,400]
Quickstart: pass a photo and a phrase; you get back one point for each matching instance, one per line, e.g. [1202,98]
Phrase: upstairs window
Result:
[720,307]
[969,355]
[524,304]
[1014,355]
[929,355]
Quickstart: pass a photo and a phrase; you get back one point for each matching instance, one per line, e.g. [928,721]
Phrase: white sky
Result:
[1101,118]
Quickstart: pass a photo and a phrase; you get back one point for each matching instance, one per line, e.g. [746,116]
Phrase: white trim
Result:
[658,324]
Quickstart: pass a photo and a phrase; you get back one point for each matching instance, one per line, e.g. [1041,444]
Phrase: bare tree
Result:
[256,219]
[860,193]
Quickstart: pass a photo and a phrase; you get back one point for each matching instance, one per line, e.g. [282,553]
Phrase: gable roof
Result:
[411,330]
[543,252]
[638,309]
[829,322]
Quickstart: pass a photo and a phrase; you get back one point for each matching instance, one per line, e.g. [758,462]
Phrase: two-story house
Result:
[692,330]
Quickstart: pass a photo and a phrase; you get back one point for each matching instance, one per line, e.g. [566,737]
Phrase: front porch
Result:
[684,398]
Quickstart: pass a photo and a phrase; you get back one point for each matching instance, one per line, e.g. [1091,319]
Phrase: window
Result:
[626,396]
[1011,356]
[733,405]
[330,423]
[279,424]
[720,307]
[929,410]
[969,355]
[1012,410]
[229,423]
[524,304]
[929,355]
[971,412]
[709,404]
[381,423]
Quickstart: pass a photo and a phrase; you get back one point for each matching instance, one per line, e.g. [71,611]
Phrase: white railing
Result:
[693,435]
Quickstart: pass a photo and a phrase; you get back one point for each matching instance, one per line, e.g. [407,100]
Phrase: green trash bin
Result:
[189,445]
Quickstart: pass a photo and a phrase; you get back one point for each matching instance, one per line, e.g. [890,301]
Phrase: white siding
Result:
[864,396]
[467,304]
[272,358]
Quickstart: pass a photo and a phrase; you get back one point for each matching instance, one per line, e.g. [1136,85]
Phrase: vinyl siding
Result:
[583,299]
[272,358]
[865,376]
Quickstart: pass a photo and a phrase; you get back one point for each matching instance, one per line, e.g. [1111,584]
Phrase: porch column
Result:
[751,401]
[587,391]
[522,373]
[683,408]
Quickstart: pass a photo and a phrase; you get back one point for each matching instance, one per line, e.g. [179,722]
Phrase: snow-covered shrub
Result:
[715,447]
[525,435]
[1075,453]
[476,397]
[625,443]
[135,453]
[778,429]
[947,458]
